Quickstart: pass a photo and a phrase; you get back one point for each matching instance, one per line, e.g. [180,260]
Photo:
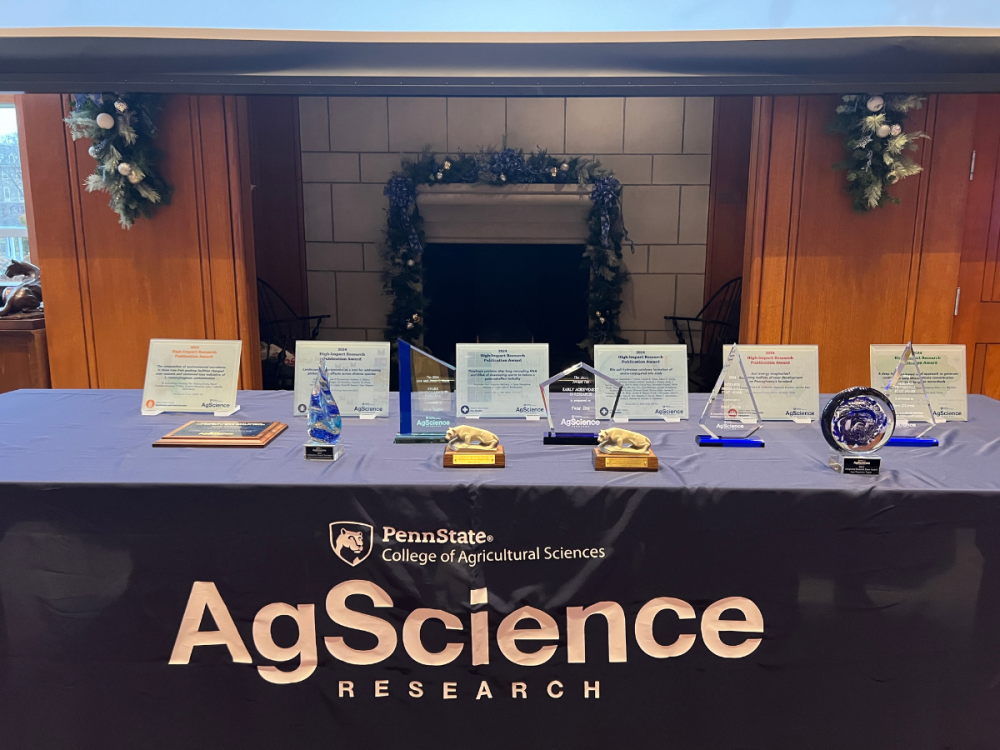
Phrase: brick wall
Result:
[659,148]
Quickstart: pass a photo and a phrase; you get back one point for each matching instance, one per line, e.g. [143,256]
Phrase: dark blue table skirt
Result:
[879,596]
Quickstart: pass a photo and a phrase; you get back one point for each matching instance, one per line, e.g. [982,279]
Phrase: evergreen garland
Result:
[121,128]
[403,274]
[875,141]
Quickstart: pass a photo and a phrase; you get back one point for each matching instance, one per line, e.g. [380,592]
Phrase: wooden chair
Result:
[719,322]
[280,328]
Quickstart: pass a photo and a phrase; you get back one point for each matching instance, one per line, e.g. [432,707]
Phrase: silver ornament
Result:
[875,104]
[896,129]
[440,175]
[882,131]
[409,325]
[105,121]
[503,178]
[409,262]
[564,167]
[124,169]
[92,151]
[134,177]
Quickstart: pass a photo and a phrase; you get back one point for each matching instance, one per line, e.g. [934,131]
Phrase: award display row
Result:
[923,387]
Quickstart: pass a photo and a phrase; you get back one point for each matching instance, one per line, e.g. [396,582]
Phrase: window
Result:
[13,221]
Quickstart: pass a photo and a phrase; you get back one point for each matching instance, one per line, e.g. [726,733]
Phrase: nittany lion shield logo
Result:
[351,541]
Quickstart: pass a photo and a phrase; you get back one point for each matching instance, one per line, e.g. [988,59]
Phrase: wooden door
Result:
[977,322]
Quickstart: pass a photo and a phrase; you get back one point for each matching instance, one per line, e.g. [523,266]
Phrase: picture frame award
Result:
[426,397]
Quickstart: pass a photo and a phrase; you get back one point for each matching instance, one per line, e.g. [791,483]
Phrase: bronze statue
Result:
[26,296]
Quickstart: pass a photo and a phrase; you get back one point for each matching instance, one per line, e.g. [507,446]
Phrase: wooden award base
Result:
[626,461]
[475,459]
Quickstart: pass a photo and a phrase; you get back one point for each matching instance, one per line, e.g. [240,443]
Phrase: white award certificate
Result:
[500,380]
[358,372]
[654,380]
[197,375]
[943,369]
[784,379]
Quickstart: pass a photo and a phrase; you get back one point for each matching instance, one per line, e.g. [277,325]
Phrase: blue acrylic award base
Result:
[570,438]
[421,438]
[707,441]
[913,442]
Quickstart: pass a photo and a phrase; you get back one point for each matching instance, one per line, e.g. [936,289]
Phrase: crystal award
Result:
[731,416]
[856,423]
[570,400]
[908,395]
[426,397]
[324,421]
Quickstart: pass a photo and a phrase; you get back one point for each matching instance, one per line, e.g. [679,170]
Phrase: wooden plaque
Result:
[475,459]
[626,462]
[225,434]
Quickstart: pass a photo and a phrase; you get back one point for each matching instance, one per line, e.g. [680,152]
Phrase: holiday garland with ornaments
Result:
[875,141]
[403,275]
[121,128]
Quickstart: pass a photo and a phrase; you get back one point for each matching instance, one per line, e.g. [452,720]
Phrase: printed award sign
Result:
[942,367]
[500,380]
[197,375]
[784,379]
[358,373]
[654,380]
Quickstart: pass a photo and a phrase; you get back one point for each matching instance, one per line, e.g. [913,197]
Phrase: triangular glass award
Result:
[731,416]
[570,400]
[426,397]
[907,393]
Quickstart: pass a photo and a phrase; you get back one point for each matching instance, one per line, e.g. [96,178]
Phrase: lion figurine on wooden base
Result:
[460,439]
[617,440]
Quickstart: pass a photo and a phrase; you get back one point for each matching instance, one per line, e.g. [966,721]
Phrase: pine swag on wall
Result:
[121,128]
[875,141]
[403,275]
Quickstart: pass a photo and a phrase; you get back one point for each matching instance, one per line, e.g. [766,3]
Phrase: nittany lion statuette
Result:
[617,440]
[462,438]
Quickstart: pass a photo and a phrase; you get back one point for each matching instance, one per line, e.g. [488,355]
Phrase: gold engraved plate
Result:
[474,459]
[626,462]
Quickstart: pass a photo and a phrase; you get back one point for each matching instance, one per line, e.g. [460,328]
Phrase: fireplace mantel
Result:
[514,214]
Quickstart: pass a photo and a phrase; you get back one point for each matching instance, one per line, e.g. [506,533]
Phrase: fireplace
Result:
[515,293]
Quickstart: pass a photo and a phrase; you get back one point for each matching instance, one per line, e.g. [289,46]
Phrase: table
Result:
[879,596]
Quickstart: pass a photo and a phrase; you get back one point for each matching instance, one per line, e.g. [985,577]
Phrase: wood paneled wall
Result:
[818,272]
[186,273]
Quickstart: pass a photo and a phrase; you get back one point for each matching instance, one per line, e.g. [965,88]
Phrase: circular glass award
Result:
[858,420]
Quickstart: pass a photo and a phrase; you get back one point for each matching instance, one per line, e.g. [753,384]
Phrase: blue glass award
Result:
[324,422]
[570,400]
[426,397]
[731,416]
[856,423]
[908,394]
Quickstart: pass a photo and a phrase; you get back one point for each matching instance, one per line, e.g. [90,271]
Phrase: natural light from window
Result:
[13,222]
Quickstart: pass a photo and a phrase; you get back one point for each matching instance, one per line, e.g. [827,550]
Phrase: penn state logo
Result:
[351,541]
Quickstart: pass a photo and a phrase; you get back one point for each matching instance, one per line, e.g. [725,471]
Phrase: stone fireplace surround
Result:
[659,148]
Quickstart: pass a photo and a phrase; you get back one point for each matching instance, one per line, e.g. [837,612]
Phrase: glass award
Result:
[731,416]
[570,400]
[426,397]
[856,423]
[324,422]
[908,394]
